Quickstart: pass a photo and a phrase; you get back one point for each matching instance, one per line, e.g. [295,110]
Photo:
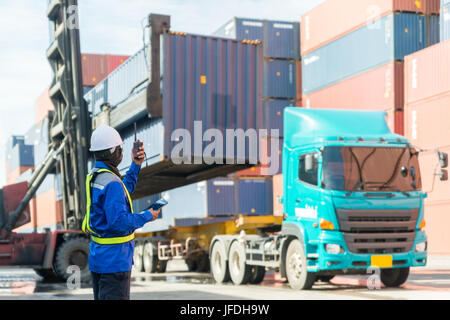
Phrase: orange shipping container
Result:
[299,82]
[277,195]
[42,106]
[11,177]
[437,220]
[95,67]
[378,89]
[427,73]
[335,18]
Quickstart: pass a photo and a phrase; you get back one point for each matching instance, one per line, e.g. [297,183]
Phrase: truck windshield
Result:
[370,169]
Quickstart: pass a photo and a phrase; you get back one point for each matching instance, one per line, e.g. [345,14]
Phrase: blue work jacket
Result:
[111,217]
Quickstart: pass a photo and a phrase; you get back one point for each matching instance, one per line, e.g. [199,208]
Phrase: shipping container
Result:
[427,123]
[438,191]
[377,89]
[278,195]
[281,39]
[437,220]
[272,116]
[272,153]
[14,175]
[298,74]
[280,79]
[395,120]
[219,197]
[434,30]
[43,105]
[21,155]
[334,19]
[364,49]
[445,22]
[426,73]
[95,67]
[444,2]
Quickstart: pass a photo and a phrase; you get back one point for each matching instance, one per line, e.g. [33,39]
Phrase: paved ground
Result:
[432,282]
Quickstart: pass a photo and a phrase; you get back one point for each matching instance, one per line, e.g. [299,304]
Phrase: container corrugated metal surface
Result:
[426,73]
[255,196]
[364,49]
[437,222]
[445,23]
[427,123]
[281,39]
[395,120]
[377,89]
[95,67]
[14,175]
[121,83]
[280,79]
[272,152]
[221,197]
[344,17]
[299,82]
[277,195]
[213,80]
[272,118]
[433,29]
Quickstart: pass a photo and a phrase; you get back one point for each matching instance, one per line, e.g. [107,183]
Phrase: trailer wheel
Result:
[257,274]
[296,272]
[191,264]
[150,258]
[71,252]
[138,254]
[239,270]
[202,262]
[218,263]
[394,277]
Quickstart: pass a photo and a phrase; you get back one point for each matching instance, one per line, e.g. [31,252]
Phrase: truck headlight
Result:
[421,247]
[333,248]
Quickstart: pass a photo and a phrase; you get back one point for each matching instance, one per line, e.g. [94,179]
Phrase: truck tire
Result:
[138,262]
[73,251]
[218,263]
[149,257]
[257,274]
[239,269]
[296,272]
[202,262]
[394,277]
[191,264]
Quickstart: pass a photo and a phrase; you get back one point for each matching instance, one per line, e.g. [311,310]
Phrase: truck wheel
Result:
[298,276]
[257,274]
[239,270]
[218,262]
[161,266]
[138,263]
[149,257]
[71,252]
[394,277]
[191,264]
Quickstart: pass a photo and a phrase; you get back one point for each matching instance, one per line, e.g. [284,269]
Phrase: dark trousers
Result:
[111,286]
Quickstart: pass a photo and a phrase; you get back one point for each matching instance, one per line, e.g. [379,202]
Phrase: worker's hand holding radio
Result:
[138,154]
[154,213]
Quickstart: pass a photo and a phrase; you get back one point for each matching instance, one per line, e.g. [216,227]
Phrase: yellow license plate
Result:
[384,261]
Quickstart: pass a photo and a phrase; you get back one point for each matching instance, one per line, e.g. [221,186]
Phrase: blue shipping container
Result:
[280,79]
[22,155]
[281,39]
[445,22]
[389,38]
[255,196]
[273,115]
[433,29]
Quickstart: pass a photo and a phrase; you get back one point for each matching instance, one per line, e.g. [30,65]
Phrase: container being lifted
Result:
[195,83]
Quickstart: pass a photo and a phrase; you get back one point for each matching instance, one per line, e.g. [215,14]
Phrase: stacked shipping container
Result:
[445,20]
[355,59]
[427,125]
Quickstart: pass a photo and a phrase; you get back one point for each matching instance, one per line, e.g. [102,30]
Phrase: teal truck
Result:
[352,202]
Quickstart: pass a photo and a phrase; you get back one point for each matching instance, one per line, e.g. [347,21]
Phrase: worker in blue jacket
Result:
[110,220]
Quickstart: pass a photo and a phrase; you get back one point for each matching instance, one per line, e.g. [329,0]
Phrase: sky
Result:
[106,26]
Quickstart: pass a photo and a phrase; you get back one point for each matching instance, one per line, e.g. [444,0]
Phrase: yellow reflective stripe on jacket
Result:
[116,240]
[86,221]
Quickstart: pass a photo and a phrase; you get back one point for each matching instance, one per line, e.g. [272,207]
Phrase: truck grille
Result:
[378,231]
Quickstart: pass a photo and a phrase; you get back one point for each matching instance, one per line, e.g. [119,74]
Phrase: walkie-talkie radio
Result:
[136,144]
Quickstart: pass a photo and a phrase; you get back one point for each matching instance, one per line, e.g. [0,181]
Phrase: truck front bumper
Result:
[346,260]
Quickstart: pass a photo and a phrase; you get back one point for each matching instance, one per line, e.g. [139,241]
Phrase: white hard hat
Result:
[104,138]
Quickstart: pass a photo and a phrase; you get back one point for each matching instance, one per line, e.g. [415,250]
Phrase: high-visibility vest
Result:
[86,226]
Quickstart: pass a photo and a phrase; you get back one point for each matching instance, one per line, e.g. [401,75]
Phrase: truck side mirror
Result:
[443,175]
[309,163]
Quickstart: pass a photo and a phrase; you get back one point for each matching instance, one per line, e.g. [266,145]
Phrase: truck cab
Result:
[352,197]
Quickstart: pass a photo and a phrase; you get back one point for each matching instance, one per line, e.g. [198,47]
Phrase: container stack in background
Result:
[31,149]
[281,88]
[445,20]
[427,126]
[353,53]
